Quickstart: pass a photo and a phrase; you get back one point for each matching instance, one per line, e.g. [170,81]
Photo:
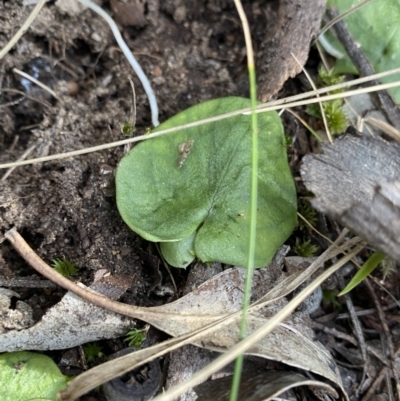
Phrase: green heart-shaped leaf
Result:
[27,375]
[376,28]
[196,183]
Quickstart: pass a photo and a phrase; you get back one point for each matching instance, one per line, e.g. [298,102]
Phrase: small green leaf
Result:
[366,269]
[92,351]
[335,116]
[127,128]
[304,248]
[64,267]
[375,27]
[135,337]
[28,375]
[196,183]
[179,253]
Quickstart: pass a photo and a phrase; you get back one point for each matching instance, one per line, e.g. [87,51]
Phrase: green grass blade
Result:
[253,200]
[366,269]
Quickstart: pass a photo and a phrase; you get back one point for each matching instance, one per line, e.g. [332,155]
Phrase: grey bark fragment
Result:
[356,182]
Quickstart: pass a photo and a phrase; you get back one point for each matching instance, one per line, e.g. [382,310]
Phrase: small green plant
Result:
[304,248]
[310,214]
[135,337]
[330,296]
[64,267]
[288,141]
[330,78]
[128,128]
[335,116]
[388,267]
[92,352]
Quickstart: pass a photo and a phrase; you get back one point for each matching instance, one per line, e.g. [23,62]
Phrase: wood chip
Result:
[356,182]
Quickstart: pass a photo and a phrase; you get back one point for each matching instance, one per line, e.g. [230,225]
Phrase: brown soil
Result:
[67,207]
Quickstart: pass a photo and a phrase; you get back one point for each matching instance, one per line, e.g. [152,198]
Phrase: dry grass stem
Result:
[241,347]
[23,28]
[385,127]
[311,82]
[283,104]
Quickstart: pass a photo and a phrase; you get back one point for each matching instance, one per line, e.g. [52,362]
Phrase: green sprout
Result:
[92,351]
[335,116]
[64,267]
[310,214]
[330,296]
[135,337]
[388,267]
[288,141]
[304,248]
[330,78]
[128,128]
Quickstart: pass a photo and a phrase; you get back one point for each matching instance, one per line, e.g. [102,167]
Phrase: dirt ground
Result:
[67,208]
[191,50]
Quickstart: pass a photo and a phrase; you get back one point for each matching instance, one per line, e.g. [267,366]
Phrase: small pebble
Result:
[72,88]
[157,71]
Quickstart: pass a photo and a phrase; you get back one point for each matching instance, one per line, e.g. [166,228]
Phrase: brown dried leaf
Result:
[69,323]
[291,342]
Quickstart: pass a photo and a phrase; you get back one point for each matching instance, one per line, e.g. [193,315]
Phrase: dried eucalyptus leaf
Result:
[292,342]
[69,323]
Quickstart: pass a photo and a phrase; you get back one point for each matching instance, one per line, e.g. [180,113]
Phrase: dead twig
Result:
[344,336]
[24,283]
[378,380]
[23,28]
[323,114]
[11,90]
[357,329]
[23,156]
[341,16]
[386,331]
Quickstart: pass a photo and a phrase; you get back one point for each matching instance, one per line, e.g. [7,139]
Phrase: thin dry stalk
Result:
[321,107]
[357,330]
[385,127]
[23,156]
[344,336]
[25,26]
[260,109]
[388,336]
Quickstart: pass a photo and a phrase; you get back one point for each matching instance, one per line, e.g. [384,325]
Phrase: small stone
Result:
[180,14]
